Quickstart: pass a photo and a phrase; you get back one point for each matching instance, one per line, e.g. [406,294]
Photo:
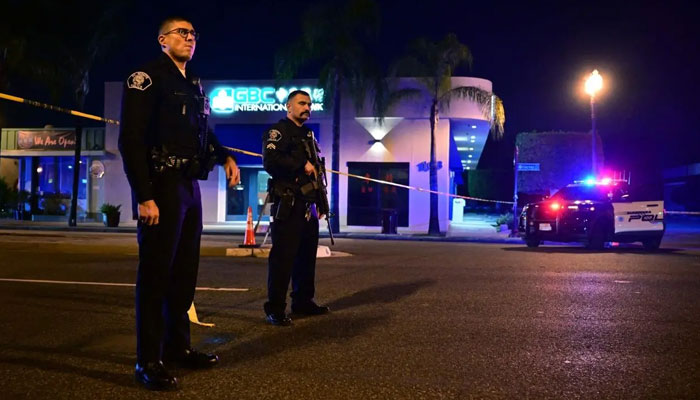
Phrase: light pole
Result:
[514,231]
[593,84]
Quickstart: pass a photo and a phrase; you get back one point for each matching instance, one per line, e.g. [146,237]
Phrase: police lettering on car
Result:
[594,212]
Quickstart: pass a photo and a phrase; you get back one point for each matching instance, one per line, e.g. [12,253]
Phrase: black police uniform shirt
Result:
[160,108]
[284,155]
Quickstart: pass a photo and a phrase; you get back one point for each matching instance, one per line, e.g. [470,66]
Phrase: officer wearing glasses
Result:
[167,147]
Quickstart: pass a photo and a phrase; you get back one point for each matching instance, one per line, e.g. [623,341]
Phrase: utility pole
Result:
[72,219]
[514,231]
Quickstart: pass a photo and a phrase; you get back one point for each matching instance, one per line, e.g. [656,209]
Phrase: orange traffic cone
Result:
[249,239]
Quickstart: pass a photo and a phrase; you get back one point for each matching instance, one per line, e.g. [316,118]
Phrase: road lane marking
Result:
[210,289]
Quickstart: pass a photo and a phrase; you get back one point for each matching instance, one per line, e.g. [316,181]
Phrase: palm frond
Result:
[453,53]
[290,59]
[363,15]
[498,119]
[473,93]
[334,37]
[326,81]
[389,99]
[491,105]
[408,65]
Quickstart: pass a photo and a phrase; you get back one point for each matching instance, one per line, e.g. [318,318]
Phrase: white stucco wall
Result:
[408,141]
[116,186]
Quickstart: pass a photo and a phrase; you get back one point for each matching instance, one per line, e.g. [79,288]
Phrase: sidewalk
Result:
[473,228]
[227,228]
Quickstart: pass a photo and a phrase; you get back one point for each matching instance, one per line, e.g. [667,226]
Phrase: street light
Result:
[593,84]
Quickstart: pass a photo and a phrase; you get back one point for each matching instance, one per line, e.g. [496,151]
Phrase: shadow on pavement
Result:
[126,380]
[98,346]
[331,327]
[311,331]
[314,331]
[380,294]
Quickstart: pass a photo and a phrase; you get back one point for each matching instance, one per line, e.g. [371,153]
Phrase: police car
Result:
[594,212]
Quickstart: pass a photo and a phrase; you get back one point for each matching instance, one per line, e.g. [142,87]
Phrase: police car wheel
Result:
[651,244]
[596,240]
[532,242]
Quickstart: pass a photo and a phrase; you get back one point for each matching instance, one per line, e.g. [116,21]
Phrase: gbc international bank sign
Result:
[226,100]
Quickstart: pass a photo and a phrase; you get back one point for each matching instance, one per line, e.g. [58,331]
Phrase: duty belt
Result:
[176,162]
[160,163]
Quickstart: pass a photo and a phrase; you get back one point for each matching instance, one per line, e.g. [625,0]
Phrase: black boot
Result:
[192,359]
[153,376]
[278,319]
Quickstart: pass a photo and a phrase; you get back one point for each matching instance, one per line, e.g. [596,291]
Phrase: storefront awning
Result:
[50,142]
[49,153]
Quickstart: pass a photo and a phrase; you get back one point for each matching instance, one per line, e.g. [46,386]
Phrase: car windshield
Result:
[584,192]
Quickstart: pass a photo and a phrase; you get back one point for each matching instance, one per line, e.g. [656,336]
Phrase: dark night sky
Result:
[535,53]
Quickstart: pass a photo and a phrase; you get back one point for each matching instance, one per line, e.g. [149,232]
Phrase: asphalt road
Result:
[410,320]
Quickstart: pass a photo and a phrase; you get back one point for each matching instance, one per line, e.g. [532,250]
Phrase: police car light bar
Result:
[590,181]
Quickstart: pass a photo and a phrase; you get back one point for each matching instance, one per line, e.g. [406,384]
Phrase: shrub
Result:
[55,203]
[108,209]
[506,219]
[8,199]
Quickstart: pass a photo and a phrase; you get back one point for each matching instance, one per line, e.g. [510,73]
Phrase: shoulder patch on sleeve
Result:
[139,80]
[271,146]
[273,135]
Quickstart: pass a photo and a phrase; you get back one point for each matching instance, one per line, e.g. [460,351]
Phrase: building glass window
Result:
[368,201]
[253,187]
[49,180]
[250,192]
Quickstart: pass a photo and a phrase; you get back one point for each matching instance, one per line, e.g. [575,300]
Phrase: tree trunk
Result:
[434,224]
[335,157]
[73,216]
[80,102]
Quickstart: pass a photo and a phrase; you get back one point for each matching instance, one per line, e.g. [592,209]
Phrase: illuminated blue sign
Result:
[424,166]
[253,98]
[528,166]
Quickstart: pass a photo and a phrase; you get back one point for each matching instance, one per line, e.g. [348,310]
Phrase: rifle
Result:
[321,182]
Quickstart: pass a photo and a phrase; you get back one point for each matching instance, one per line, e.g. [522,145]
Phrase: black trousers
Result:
[293,255]
[168,263]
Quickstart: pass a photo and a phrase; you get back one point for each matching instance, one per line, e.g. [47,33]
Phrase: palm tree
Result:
[61,55]
[432,65]
[336,40]
[12,49]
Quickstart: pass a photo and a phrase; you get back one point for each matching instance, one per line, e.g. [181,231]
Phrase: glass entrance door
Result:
[250,192]
[368,201]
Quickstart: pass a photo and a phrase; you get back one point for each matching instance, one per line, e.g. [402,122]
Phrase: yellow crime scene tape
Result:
[56,108]
[250,153]
[364,178]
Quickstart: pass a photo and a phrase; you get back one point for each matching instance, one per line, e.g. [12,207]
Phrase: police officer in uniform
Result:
[295,223]
[167,147]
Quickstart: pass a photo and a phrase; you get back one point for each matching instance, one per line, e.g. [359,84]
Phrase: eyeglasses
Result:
[183,32]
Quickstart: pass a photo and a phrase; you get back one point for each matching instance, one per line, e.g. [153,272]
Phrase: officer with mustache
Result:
[294,220]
